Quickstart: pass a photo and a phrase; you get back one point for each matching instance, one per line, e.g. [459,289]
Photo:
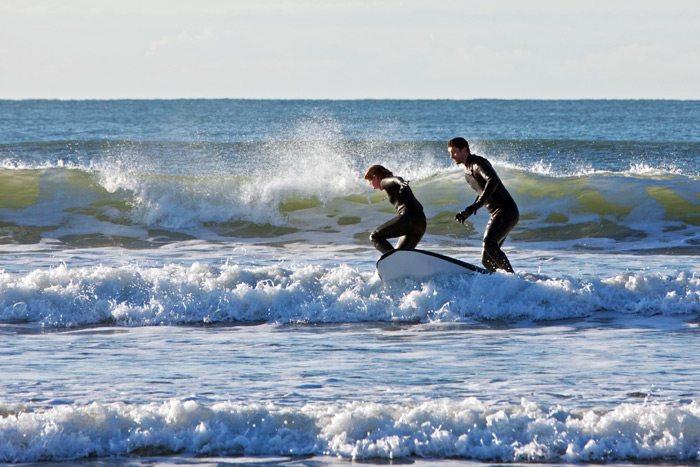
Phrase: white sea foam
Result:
[646,170]
[470,429]
[140,296]
[547,168]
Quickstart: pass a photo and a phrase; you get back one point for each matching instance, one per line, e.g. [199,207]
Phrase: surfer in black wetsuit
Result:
[493,195]
[410,224]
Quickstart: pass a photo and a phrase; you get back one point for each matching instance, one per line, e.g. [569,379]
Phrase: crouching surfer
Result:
[410,222]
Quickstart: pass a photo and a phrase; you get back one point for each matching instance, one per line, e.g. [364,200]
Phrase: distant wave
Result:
[564,158]
[172,295]
[318,146]
[440,429]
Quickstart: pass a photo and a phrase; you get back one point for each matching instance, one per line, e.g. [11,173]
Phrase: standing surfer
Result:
[410,223]
[492,194]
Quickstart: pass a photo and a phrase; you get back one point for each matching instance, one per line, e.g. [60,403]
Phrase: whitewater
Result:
[191,282]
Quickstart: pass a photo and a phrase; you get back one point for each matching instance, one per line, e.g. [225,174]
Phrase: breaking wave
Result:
[466,429]
[173,294]
[640,208]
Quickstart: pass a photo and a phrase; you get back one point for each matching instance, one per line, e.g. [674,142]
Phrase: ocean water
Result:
[191,283]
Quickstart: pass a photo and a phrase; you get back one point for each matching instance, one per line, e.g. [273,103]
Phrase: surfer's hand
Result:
[470,211]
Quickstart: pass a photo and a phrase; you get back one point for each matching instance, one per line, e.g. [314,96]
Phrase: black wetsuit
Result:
[504,212]
[410,224]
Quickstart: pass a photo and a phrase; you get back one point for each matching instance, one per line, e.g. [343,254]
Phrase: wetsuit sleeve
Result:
[487,173]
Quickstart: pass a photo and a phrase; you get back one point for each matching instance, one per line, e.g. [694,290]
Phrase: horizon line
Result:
[73,99]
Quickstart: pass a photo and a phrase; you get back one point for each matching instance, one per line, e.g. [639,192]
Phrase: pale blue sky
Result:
[462,49]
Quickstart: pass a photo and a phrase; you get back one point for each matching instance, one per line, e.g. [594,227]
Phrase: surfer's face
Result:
[458,155]
[375,182]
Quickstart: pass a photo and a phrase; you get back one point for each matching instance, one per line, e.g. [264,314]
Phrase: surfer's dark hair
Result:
[379,170]
[459,143]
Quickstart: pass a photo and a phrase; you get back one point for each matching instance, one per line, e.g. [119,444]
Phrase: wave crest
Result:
[122,204]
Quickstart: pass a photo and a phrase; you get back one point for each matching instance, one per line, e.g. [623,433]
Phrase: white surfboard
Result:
[419,264]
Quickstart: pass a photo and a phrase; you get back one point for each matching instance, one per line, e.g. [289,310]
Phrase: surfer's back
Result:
[401,195]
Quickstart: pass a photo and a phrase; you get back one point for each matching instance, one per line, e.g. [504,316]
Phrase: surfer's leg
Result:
[409,227]
[390,229]
[493,258]
[415,226]
[380,244]
[497,230]
[487,262]
[408,242]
